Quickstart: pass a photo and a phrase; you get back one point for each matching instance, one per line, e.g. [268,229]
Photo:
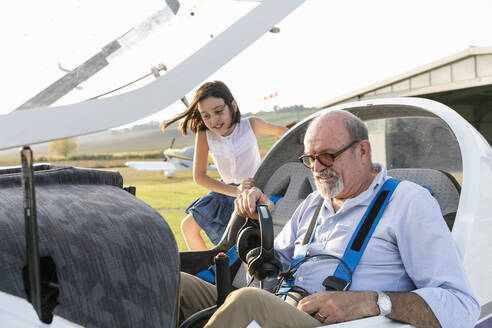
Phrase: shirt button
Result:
[330,220]
[301,279]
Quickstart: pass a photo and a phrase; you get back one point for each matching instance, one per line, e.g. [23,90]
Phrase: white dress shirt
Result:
[411,249]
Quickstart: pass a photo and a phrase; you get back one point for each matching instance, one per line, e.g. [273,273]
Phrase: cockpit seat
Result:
[443,186]
[292,182]
[115,259]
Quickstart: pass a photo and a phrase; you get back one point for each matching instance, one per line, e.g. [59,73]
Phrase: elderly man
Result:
[410,270]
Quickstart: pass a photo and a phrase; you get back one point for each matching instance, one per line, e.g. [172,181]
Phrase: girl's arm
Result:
[200,169]
[260,126]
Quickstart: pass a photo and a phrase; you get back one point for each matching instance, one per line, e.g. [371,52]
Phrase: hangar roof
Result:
[470,68]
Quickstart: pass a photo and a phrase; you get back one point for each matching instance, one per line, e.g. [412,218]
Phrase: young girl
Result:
[214,117]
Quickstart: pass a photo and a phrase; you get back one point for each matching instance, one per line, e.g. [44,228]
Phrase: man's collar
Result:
[367,195]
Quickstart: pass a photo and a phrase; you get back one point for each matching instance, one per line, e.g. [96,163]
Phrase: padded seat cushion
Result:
[444,187]
[294,182]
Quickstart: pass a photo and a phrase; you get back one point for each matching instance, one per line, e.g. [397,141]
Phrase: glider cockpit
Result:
[416,139]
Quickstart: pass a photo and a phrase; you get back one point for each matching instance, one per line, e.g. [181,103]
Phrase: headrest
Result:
[443,186]
[294,182]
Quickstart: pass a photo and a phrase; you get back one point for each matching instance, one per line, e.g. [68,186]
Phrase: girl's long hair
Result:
[192,118]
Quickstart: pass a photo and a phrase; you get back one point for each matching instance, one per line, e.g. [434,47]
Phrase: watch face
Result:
[384,303]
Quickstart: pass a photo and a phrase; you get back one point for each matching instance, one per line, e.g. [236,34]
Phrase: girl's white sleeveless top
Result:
[236,156]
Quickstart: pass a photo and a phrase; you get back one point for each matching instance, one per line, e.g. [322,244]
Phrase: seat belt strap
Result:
[208,274]
[364,231]
[308,238]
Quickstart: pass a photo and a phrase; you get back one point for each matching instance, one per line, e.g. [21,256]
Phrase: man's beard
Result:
[328,189]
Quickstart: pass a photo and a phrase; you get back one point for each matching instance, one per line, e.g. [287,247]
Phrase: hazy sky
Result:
[326,48]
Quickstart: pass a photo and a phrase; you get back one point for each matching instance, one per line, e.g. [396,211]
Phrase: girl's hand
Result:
[246,184]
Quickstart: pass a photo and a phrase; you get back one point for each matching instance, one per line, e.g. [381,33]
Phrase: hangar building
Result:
[462,81]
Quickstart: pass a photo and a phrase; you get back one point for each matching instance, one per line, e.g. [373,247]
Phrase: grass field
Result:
[169,197]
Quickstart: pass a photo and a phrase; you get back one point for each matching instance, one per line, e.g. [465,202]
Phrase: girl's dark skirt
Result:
[212,212]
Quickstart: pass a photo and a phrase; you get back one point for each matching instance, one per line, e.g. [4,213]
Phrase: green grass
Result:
[169,197]
[265,142]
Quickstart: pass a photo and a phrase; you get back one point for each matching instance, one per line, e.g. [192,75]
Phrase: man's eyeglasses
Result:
[326,159]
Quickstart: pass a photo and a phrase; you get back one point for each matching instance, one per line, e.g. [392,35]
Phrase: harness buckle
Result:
[335,283]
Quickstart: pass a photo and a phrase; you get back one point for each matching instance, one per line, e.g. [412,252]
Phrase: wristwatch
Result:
[384,304]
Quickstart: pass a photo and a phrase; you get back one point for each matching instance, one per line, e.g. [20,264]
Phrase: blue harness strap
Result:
[275,198]
[355,247]
[209,274]
[363,233]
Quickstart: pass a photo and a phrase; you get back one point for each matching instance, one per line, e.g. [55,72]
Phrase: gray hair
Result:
[356,128]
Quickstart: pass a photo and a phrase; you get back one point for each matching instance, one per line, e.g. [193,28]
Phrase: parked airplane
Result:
[175,159]
[108,260]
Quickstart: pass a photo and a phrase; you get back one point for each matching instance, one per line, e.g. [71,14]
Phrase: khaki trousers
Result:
[241,307]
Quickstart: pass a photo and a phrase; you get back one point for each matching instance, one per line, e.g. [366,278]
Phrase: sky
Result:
[325,49]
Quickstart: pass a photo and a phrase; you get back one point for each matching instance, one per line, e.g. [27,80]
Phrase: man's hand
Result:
[245,203]
[331,307]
